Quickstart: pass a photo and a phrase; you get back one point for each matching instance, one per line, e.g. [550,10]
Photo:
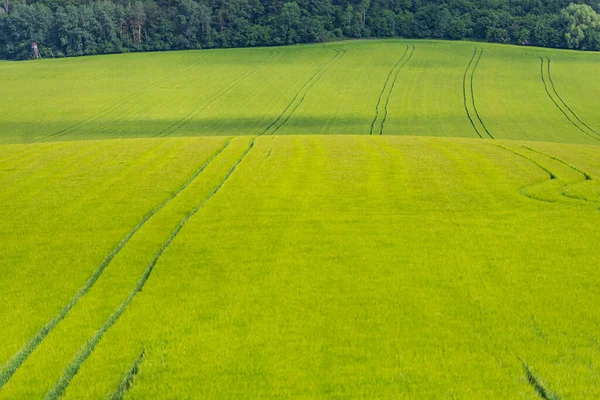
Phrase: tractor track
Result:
[524,191]
[545,82]
[280,121]
[537,385]
[552,175]
[473,94]
[468,80]
[383,89]
[31,150]
[108,109]
[387,100]
[13,364]
[587,177]
[465,93]
[562,101]
[128,378]
[53,95]
[216,96]
[86,350]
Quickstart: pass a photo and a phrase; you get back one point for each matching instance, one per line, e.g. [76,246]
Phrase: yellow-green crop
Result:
[318,240]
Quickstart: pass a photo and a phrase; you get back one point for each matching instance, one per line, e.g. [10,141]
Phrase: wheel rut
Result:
[383,89]
[387,99]
[298,99]
[586,177]
[9,369]
[469,103]
[123,100]
[524,191]
[216,96]
[553,176]
[87,349]
[128,378]
[566,111]
[540,389]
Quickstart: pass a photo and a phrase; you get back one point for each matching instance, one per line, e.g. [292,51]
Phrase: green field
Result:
[291,223]
[411,88]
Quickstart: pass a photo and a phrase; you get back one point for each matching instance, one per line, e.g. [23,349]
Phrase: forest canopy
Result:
[79,27]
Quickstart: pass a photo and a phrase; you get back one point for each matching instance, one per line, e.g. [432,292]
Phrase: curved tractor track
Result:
[387,100]
[383,89]
[469,96]
[563,107]
[553,177]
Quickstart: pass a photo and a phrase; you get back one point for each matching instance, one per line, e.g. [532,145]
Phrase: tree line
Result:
[80,27]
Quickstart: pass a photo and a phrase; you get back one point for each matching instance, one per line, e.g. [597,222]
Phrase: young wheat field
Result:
[367,219]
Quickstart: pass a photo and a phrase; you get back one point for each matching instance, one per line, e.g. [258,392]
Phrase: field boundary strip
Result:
[387,100]
[13,364]
[537,385]
[128,378]
[86,350]
[563,110]
[108,109]
[468,81]
[383,89]
[282,118]
[216,96]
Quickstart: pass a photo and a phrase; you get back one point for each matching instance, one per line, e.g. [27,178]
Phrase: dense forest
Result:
[79,27]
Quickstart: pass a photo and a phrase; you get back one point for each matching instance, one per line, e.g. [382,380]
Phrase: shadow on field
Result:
[61,130]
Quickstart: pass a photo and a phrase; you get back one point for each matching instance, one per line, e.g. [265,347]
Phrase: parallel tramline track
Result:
[469,96]
[465,99]
[387,100]
[340,55]
[553,176]
[381,94]
[8,370]
[86,350]
[473,93]
[123,100]
[585,175]
[216,96]
[558,101]
[201,315]
[36,103]
[301,94]
[524,191]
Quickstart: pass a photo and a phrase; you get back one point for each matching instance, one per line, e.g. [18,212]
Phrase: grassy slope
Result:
[428,98]
[65,207]
[579,94]
[324,266]
[305,89]
[513,102]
